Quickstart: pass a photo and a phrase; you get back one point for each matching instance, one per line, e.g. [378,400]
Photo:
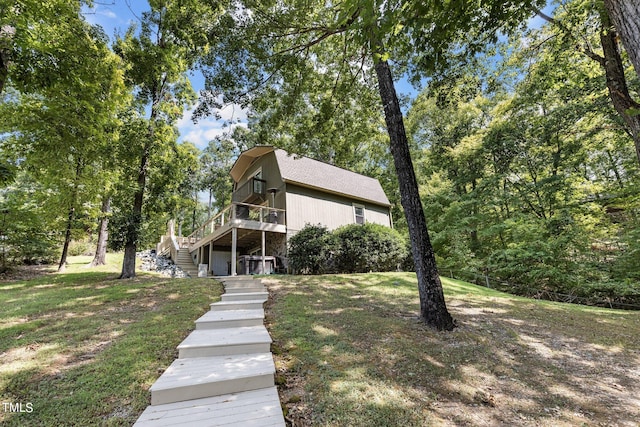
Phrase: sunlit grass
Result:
[351,351]
[84,347]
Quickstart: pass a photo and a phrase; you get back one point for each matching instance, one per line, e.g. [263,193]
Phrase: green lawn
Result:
[83,348]
[351,352]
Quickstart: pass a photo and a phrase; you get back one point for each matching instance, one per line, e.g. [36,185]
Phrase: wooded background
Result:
[524,141]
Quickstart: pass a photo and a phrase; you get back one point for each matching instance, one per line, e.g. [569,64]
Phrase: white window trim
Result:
[253,175]
[364,213]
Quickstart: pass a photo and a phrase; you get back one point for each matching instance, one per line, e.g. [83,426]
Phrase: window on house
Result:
[258,183]
[358,213]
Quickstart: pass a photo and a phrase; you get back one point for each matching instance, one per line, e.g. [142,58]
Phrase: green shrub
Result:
[31,246]
[407,262]
[626,265]
[369,247]
[313,250]
[80,247]
[352,248]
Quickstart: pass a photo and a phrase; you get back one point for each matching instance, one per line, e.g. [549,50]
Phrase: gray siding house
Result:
[275,195]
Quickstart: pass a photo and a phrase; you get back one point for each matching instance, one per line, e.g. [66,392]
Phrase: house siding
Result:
[271,174]
[309,206]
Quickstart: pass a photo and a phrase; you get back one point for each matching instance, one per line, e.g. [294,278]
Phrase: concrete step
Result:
[256,408]
[224,342]
[244,296]
[230,319]
[245,290]
[201,377]
[237,277]
[238,305]
[242,285]
[239,280]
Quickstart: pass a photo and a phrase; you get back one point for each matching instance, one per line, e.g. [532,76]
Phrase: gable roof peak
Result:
[310,173]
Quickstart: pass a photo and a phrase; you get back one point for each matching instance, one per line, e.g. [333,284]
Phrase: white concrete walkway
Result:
[224,374]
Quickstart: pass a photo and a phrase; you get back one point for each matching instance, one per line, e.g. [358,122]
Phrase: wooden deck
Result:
[224,375]
[254,219]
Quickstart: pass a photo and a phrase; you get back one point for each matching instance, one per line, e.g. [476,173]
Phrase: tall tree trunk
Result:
[71,216]
[133,233]
[625,16]
[67,239]
[100,257]
[4,68]
[433,309]
[193,214]
[613,67]
[617,83]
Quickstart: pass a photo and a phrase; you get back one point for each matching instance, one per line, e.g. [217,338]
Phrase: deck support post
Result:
[234,248]
[263,252]
[210,267]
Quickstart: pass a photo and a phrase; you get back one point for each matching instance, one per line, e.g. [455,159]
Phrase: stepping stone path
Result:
[224,374]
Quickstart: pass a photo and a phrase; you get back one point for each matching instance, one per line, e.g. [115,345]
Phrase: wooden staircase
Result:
[185,262]
[224,374]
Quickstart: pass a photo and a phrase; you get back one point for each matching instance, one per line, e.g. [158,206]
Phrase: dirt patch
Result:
[26,272]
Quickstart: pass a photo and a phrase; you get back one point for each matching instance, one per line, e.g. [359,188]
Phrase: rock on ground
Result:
[150,261]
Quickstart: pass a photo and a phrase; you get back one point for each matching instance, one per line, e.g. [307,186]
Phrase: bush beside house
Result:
[312,250]
[352,248]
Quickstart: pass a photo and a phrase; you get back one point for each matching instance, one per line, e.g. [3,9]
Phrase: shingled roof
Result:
[312,173]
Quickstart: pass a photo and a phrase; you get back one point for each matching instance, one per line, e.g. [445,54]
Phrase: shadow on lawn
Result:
[354,343]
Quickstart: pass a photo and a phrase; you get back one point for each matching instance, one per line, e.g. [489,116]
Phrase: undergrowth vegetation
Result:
[83,348]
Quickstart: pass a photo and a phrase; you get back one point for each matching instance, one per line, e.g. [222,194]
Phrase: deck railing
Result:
[170,245]
[234,212]
[165,246]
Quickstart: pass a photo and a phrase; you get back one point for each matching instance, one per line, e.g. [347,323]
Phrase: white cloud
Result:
[233,112]
[108,13]
[202,134]
[206,129]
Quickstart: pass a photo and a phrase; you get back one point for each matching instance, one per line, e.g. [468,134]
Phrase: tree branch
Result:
[325,33]
[586,48]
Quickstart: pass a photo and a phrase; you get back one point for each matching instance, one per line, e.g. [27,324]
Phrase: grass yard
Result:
[83,348]
[350,352]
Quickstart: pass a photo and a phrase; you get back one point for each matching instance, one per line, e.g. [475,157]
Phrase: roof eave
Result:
[246,159]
